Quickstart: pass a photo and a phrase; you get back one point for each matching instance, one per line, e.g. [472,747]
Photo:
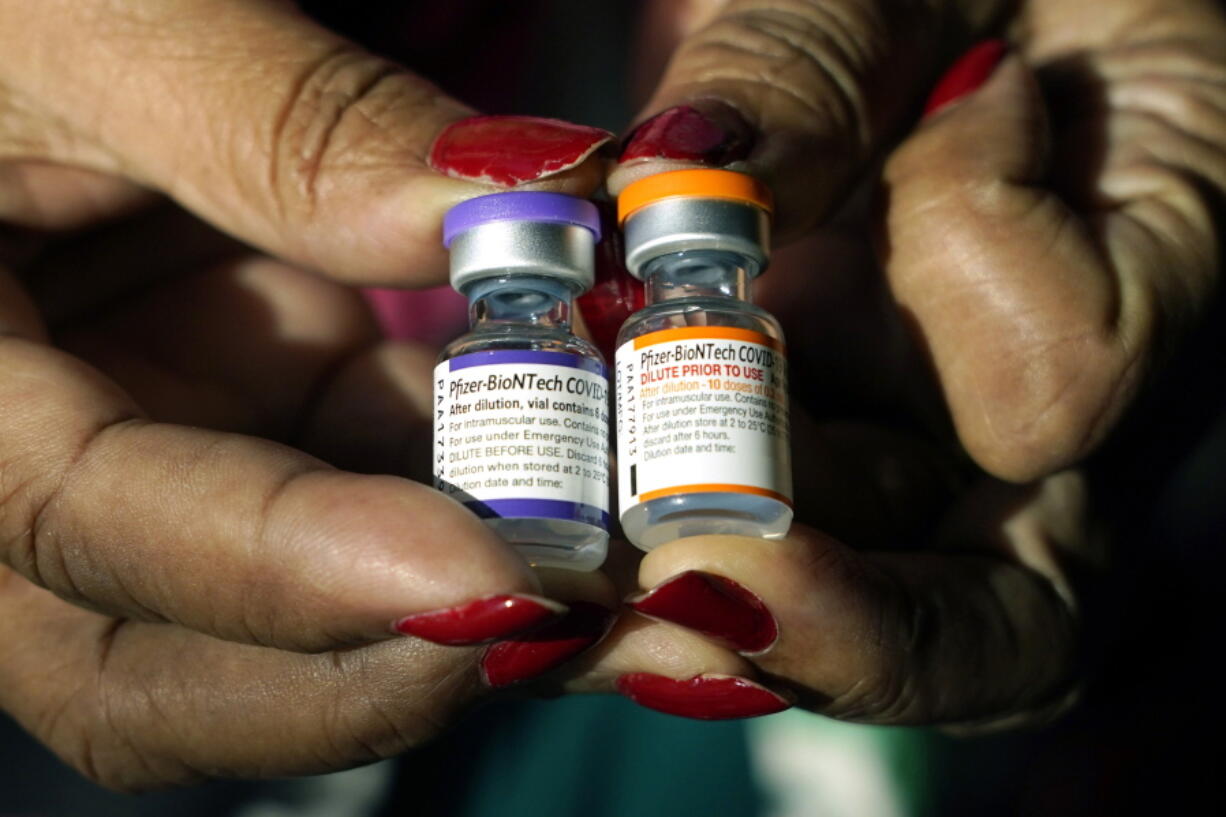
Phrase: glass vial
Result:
[521,403]
[702,406]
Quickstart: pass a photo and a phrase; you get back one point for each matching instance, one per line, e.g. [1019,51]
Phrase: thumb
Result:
[800,94]
[276,129]
[1002,281]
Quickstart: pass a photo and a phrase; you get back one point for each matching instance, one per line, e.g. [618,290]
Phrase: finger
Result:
[881,638]
[192,330]
[800,94]
[661,26]
[82,275]
[539,655]
[1042,319]
[658,665]
[199,348]
[276,130]
[373,413]
[39,195]
[663,667]
[134,705]
[238,537]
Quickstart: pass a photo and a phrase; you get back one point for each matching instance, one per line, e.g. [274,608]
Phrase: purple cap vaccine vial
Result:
[522,233]
[521,404]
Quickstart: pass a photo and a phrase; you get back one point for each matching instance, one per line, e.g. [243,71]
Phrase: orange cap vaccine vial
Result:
[701,372]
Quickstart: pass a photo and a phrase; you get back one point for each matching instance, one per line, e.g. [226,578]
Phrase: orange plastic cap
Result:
[697,184]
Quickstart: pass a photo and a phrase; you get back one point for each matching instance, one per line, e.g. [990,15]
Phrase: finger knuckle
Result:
[881,640]
[889,664]
[365,728]
[101,727]
[1053,401]
[276,594]
[54,557]
[807,58]
[1192,108]
[1178,78]
[337,115]
[1170,99]
[1176,208]
[372,720]
[311,529]
[36,535]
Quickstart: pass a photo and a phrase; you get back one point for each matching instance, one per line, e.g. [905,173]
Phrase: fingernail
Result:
[714,606]
[511,150]
[616,294]
[480,621]
[705,697]
[966,75]
[520,659]
[705,131]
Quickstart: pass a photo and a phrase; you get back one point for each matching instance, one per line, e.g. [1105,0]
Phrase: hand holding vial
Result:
[190,192]
[1037,246]
[191,588]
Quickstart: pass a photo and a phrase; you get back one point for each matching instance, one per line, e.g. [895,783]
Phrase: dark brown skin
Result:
[187,595]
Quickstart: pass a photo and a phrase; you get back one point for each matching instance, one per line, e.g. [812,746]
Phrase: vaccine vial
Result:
[520,403]
[701,374]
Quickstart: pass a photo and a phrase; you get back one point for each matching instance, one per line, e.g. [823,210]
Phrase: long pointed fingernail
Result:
[511,150]
[714,606]
[527,657]
[705,697]
[481,621]
[966,75]
[705,131]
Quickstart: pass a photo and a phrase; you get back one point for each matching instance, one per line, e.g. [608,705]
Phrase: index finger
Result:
[799,94]
[234,536]
[274,128]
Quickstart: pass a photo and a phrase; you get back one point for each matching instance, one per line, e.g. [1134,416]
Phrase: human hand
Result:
[1045,260]
[1039,257]
[942,600]
[179,599]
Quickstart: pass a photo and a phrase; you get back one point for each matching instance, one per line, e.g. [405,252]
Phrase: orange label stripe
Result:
[707,333]
[714,487]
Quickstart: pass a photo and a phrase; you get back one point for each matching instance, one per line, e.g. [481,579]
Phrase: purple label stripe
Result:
[539,509]
[498,357]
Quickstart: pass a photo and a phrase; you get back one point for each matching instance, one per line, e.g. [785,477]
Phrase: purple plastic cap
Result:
[551,208]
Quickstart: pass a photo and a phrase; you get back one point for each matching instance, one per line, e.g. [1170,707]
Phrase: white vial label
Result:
[521,433]
[702,409]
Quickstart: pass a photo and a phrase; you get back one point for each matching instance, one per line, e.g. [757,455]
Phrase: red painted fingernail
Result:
[706,697]
[511,150]
[520,659]
[480,621]
[713,606]
[616,294]
[967,74]
[705,131]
